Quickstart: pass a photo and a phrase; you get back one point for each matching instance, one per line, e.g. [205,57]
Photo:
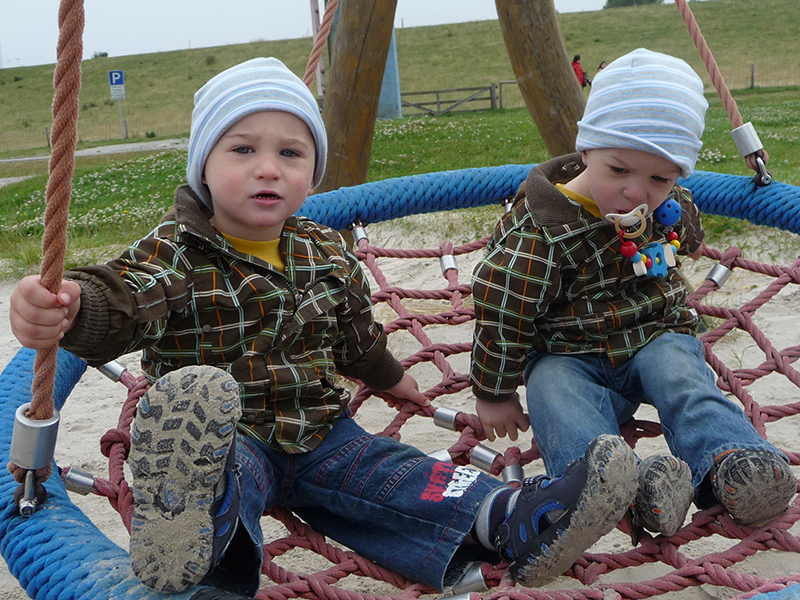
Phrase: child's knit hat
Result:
[252,86]
[646,101]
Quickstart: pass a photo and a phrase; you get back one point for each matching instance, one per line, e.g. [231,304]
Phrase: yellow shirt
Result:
[585,202]
[268,251]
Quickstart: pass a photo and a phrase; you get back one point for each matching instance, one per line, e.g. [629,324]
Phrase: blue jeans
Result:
[574,398]
[386,500]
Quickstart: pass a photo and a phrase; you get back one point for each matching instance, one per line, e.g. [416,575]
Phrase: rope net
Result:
[431,328]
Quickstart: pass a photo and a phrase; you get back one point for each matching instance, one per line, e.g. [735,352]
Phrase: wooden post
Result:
[543,71]
[360,48]
[315,23]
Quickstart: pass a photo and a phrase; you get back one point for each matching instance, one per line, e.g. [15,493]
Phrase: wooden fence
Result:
[469,99]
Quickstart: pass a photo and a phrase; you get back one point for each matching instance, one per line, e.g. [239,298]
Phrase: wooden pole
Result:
[360,48]
[543,70]
[315,23]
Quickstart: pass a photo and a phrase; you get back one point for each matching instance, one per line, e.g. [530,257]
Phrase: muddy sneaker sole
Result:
[180,438]
[665,494]
[755,486]
[610,488]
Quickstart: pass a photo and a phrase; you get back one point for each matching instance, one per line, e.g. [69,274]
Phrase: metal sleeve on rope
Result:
[359,233]
[447,262]
[748,142]
[33,442]
[746,139]
[113,370]
[445,417]
[442,455]
[78,481]
[719,274]
[471,581]
[483,457]
[513,474]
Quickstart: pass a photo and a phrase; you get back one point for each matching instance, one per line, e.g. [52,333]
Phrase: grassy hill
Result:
[741,34]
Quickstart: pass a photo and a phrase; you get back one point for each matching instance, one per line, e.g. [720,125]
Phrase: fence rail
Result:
[29,134]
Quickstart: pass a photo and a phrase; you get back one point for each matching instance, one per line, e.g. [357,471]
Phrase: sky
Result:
[29,28]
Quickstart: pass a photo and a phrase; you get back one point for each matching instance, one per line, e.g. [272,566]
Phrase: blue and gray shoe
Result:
[181,450]
[555,520]
[754,486]
[665,494]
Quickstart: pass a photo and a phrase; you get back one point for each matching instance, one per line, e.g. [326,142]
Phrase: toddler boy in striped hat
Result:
[580,294]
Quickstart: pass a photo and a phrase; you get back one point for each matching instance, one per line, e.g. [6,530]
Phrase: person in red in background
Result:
[579,73]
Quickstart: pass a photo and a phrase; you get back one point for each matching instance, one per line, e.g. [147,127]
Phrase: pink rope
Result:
[717,80]
[453,308]
[319,42]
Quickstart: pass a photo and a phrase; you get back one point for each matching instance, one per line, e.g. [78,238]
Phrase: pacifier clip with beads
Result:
[651,259]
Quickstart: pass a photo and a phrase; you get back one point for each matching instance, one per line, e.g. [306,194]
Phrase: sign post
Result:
[117,81]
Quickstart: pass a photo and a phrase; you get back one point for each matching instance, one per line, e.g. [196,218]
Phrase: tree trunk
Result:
[543,70]
[360,48]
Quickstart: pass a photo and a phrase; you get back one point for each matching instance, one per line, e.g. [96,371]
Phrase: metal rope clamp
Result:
[359,233]
[113,370]
[719,274]
[748,142]
[447,262]
[33,445]
[445,418]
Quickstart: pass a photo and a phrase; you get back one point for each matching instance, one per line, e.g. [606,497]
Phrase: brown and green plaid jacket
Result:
[553,280]
[185,296]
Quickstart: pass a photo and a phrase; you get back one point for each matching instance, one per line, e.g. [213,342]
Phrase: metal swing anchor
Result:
[33,444]
[748,142]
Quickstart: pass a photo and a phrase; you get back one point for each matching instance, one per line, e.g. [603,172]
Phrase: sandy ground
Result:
[94,406]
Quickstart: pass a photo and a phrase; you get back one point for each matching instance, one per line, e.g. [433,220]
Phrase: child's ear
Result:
[584,153]
[310,189]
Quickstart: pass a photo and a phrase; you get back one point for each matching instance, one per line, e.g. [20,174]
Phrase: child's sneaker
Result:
[555,520]
[755,486]
[665,494]
[180,441]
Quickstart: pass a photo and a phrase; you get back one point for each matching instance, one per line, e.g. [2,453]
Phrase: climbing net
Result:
[419,321]
[430,326]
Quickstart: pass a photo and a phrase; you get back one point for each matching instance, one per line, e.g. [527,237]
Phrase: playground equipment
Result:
[57,552]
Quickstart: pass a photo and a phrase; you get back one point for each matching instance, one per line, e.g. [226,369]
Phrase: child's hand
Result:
[39,318]
[502,418]
[407,389]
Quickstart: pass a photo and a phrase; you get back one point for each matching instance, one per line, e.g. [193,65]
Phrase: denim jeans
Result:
[574,398]
[386,500]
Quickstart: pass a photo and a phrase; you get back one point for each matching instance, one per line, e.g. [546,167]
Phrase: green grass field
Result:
[160,86]
[117,199]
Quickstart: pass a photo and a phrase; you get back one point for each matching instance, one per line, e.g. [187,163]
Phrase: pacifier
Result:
[637,216]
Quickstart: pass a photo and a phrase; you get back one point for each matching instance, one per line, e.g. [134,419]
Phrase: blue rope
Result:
[776,205]
[59,554]
[416,194]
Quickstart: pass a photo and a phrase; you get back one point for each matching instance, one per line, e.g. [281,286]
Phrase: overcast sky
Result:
[29,28]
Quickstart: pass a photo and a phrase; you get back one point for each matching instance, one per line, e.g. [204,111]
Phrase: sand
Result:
[94,406]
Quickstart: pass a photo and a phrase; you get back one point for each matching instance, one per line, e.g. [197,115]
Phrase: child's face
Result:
[619,180]
[259,173]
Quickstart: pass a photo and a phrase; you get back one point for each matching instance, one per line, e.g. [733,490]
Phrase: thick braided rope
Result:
[686,572]
[717,79]
[319,42]
[67,84]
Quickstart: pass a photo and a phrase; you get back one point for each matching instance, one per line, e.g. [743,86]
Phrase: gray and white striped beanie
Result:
[646,101]
[249,87]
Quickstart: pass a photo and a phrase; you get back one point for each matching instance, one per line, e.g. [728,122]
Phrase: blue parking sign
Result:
[116,78]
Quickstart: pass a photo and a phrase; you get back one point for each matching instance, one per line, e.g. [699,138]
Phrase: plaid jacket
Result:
[553,279]
[185,296]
